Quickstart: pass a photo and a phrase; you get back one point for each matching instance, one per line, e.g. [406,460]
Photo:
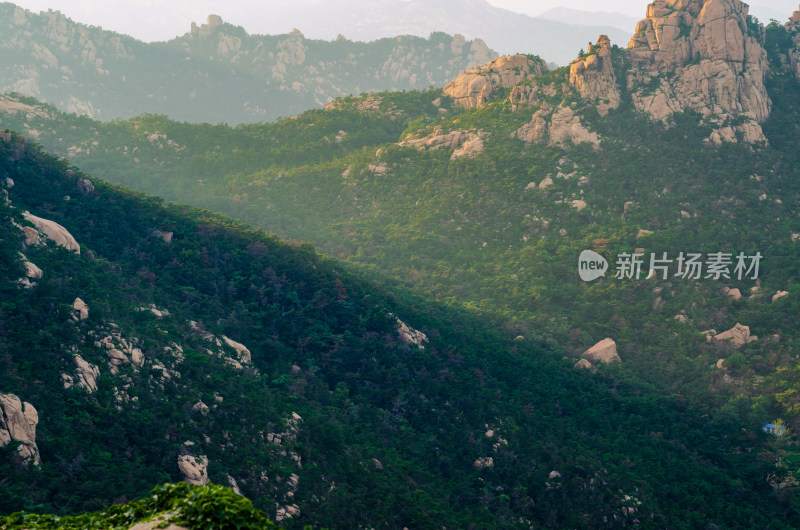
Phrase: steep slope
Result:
[216,72]
[336,412]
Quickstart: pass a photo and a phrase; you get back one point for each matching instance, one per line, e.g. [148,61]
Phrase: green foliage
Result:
[192,506]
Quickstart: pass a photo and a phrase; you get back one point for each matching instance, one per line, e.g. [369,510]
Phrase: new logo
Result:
[591,265]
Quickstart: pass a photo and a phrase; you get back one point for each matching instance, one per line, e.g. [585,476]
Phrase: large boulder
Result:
[87,373]
[193,468]
[472,88]
[604,351]
[54,231]
[738,335]
[698,55]
[18,422]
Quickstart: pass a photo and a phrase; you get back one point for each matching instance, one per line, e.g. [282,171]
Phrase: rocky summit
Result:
[700,55]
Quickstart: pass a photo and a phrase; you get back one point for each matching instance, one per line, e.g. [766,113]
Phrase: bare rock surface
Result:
[698,55]
[738,335]
[594,78]
[604,351]
[18,422]
[472,88]
[54,231]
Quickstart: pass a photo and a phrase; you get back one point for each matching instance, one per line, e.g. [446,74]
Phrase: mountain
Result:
[503,30]
[457,345]
[590,18]
[144,343]
[485,193]
[215,73]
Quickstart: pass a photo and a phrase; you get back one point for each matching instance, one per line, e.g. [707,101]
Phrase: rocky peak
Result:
[716,68]
[592,75]
[793,27]
[473,87]
[205,30]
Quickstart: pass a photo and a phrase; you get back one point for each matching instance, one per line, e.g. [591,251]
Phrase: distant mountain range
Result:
[503,30]
[216,72]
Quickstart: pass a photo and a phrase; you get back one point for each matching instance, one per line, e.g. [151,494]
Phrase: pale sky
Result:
[151,20]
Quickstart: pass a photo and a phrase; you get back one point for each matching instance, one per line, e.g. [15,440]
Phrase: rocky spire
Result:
[593,76]
[713,66]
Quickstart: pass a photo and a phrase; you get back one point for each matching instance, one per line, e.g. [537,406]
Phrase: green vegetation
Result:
[390,432]
[191,506]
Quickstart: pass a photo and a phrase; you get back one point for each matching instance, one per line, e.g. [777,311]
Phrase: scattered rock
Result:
[734,293]
[546,183]
[584,364]
[166,237]
[18,422]
[578,204]
[287,512]
[779,295]
[681,318]
[720,363]
[200,407]
[483,463]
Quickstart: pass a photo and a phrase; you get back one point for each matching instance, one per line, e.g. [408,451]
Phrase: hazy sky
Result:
[163,19]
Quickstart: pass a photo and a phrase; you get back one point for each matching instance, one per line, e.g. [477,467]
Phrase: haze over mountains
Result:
[503,30]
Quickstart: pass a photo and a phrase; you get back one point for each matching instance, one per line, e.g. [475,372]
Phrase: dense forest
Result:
[462,427]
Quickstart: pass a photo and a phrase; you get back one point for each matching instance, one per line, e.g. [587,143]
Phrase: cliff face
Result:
[699,55]
[793,27]
[593,76]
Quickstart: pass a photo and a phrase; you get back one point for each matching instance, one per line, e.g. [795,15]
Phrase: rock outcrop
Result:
[241,350]
[193,468]
[697,55]
[559,125]
[410,335]
[87,373]
[738,335]
[465,144]
[18,422]
[54,231]
[472,88]
[593,76]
